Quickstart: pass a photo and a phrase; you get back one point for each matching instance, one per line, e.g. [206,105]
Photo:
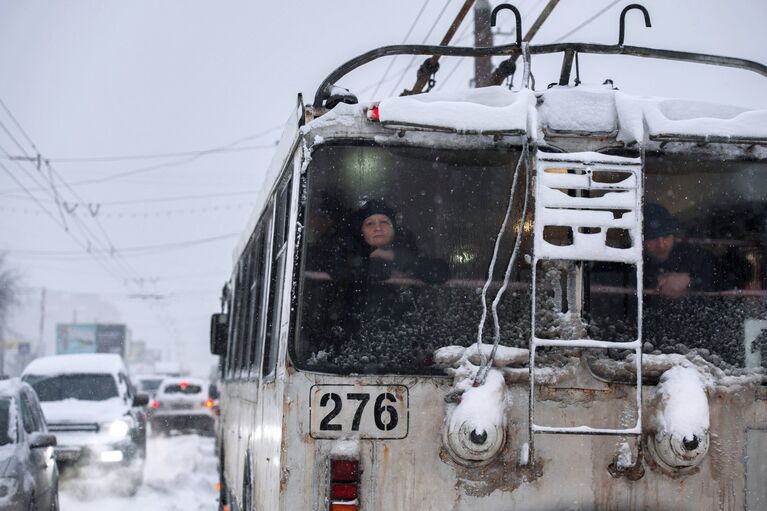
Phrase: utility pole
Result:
[483,37]
[40,336]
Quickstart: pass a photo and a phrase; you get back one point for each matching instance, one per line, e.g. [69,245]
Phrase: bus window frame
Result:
[250,350]
[257,339]
[298,282]
[282,202]
[231,352]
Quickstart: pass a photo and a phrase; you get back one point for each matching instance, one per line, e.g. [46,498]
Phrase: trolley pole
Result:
[483,38]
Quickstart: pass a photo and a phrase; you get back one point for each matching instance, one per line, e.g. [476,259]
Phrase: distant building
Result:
[91,338]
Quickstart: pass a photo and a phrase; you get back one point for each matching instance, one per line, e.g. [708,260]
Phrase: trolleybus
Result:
[509,339]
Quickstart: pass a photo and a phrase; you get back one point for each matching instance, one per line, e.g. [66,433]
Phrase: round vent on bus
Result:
[677,454]
[472,445]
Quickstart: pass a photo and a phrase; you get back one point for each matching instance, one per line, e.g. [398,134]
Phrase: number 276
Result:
[381,411]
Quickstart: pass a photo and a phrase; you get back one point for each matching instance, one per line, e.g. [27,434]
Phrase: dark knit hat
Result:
[372,207]
[658,222]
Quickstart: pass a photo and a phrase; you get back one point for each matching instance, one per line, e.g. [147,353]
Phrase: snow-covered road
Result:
[180,475]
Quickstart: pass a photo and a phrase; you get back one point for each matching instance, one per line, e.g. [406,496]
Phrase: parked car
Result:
[95,412]
[29,478]
[187,405]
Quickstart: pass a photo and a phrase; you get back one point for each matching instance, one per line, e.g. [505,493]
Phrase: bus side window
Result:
[231,352]
[261,260]
[276,284]
[243,300]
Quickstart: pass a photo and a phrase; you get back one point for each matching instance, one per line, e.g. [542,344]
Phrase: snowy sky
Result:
[109,78]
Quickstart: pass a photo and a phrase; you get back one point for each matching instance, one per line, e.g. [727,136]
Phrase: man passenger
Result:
[670,268]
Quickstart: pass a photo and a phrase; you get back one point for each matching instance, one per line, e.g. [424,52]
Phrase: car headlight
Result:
[118,428]
[8,486]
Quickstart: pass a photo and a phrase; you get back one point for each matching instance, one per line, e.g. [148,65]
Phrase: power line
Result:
[433,26]
[404,40]
[92,211]
[144,248]
[18,125]
[101,159]
[588,21]
[159,199]
[122,268]
[141,170]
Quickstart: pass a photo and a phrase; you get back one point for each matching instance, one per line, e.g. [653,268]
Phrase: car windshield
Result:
[85,387]
[398,246]
[182,388]
[6,421]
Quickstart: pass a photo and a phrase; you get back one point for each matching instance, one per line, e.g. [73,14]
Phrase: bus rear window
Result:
[713,214]
[398,246]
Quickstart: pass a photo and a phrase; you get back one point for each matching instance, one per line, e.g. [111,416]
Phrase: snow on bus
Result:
[496,299]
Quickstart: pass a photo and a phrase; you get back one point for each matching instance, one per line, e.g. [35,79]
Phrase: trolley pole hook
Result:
[623,20]
[518,17]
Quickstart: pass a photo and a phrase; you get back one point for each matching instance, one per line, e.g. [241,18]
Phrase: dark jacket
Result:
[705,275]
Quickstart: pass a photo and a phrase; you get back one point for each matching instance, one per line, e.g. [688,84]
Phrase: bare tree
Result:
[9,280]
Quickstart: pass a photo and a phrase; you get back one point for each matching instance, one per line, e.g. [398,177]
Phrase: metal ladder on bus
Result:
[582,213]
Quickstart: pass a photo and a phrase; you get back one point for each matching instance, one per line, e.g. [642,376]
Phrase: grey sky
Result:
[112,78]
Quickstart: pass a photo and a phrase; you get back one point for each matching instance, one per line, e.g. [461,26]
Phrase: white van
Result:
[94,410]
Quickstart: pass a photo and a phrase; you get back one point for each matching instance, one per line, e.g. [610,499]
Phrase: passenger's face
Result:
[658,249]
[378,230]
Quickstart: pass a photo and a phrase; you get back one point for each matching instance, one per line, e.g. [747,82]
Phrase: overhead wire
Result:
[96,159]
[588,21]
[428,34]
[404,40]
[193,156]
[158,199]
[143,248]
[115,266]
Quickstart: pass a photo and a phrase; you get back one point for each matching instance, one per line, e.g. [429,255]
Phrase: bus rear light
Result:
[344,471]
[343,491]
[208,403]
[344,485]
[155,404]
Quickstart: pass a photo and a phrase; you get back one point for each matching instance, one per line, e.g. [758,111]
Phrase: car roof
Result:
[148,377]
[81,363]
[12,387]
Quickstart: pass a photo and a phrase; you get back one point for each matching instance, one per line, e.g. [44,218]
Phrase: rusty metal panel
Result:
[756,469]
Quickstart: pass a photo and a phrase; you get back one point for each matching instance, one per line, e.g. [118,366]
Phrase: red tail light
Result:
[343,491]
[155,404]
[208,403]
[373,114]
[344,485]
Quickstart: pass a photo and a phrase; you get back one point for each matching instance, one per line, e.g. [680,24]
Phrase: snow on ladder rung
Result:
[586,218]
[586,343]
[550,197]
[587,430]
[586,181]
